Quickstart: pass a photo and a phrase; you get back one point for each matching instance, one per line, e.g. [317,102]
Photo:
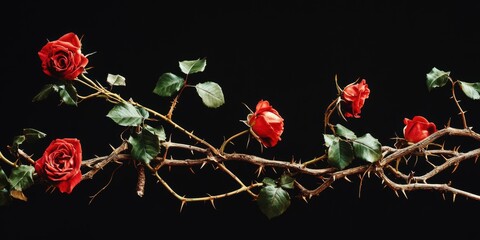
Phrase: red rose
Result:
[62,58]
[353,97]
[60,164]
[417,129]
[266,124]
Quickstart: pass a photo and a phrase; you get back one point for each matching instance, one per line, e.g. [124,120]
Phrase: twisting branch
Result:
[62,165]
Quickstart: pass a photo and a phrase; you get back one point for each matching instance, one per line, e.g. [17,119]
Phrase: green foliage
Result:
[66,91]
[193,66]
[116,80]
[44,92]
[33,134]
[21,177]
[367,148]
[344,132]
[211,94]
[159,132]
[437,78]
[340,153]
[168,84]
[29,134]
[125,114]
[472,90]
[146,144]
[345,146]
[273,200]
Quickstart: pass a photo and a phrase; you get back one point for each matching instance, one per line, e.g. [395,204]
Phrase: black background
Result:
[287,53]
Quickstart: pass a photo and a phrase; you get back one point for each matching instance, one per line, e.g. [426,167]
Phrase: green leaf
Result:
[472,90]
[342,131]
[3,179]
[159,132]
[125,114]
[29,134]
[17,141]
[436,78]
[68,94]
[340,154]
[328,138]
[21,177]
[367,148]
[116,80]
[286,181]
[168,84]
[33,134]
[194,66]
[44,92]
[211,94]
[269,181]
[145,146]
[273,201]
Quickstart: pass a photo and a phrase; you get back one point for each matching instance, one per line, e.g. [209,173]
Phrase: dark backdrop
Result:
[287,53]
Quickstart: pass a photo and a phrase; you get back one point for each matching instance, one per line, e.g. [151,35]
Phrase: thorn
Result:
[454,196]
[443,196]
[396,193]
[346,178]
[456,166]
[203,164]
[181,206]
[259,170]
[191,170]
[213,203]
[403,191]
[304,199]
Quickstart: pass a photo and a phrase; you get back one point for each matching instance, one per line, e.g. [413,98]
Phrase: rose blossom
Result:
[62,58]
[266,124]
[354,96]
[60,164]
[417,129]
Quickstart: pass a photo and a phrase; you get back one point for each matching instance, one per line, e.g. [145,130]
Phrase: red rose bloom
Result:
[417,129]
[353,97]
[62,58]
[60,164]
[266,124]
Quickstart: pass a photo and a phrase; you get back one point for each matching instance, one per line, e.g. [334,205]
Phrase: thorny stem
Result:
[175,100]
[115,98]
[328,112]
[330,175]
[222,148]
[454,96]
[315,160]
[327,175]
